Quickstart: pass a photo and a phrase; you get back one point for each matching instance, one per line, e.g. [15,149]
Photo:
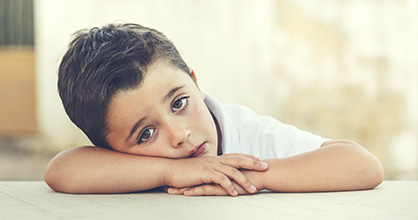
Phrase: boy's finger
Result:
[244,163]
[206,190]
[222,179]
[238,177]
[240,155]
[176,191]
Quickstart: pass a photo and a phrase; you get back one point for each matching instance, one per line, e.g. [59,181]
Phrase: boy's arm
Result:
[97,170]
[336,166]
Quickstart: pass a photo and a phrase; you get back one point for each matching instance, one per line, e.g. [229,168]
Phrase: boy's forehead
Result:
[158,81]
[161,65]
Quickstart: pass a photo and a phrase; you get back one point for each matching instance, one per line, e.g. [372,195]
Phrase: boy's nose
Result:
[179,135]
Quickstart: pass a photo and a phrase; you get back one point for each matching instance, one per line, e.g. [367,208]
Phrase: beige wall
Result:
[17,92]
[342,69]
[352,72]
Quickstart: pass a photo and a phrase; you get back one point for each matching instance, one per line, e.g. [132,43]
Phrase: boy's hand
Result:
[216,190]
[206,190]
[220,170]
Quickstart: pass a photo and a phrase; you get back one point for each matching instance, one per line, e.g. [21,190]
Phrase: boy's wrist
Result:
[256,178]
[168,172]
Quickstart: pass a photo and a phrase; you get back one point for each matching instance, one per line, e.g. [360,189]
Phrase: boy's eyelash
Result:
[186,98]
[139,141]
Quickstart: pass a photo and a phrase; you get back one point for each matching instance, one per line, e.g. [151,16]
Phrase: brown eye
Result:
[180,104]
[146,135]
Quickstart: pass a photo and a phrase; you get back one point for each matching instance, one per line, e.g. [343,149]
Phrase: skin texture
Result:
[175,144]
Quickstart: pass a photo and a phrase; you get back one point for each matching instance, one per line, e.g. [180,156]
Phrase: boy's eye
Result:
[180,104]
[146,135]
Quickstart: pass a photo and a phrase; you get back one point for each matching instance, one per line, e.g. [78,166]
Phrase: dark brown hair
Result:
[103,61]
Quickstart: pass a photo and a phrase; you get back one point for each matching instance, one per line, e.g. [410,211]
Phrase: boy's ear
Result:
[193,75]
[195,81]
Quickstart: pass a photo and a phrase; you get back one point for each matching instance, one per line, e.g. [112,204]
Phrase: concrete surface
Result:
[35,200]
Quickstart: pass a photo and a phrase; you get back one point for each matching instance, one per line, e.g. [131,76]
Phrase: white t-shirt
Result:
[244,131]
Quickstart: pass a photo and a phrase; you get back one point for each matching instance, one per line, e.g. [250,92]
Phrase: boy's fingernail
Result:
[235,193]
[170,190]
[264,164]
[252,188]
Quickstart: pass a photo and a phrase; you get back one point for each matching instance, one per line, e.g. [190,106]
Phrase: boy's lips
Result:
[198,150]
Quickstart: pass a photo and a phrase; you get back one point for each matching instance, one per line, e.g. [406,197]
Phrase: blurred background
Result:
[343,69]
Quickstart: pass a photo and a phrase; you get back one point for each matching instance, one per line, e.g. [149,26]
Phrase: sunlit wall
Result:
[342,69]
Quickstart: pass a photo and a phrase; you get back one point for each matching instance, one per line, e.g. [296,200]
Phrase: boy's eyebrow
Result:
[171,93]
[141,121]
[136,126]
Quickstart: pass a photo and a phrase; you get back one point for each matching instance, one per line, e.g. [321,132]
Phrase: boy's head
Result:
[104,61]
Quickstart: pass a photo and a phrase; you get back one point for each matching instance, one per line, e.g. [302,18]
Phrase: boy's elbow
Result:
[53,178]
[377,174]
[368,170]
[64,174]
[373,171]
[56,179]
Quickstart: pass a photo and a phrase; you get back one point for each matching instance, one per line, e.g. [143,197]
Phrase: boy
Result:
[127,87]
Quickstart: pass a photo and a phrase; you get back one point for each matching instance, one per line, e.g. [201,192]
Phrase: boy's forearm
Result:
[96,170]
[337,166]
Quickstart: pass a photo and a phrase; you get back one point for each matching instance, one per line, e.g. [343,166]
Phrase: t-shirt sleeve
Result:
[266,137]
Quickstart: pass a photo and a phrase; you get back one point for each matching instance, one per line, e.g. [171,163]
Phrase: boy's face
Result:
[165,116]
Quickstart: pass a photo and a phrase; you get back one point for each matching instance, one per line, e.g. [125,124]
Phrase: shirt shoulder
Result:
[245,131]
